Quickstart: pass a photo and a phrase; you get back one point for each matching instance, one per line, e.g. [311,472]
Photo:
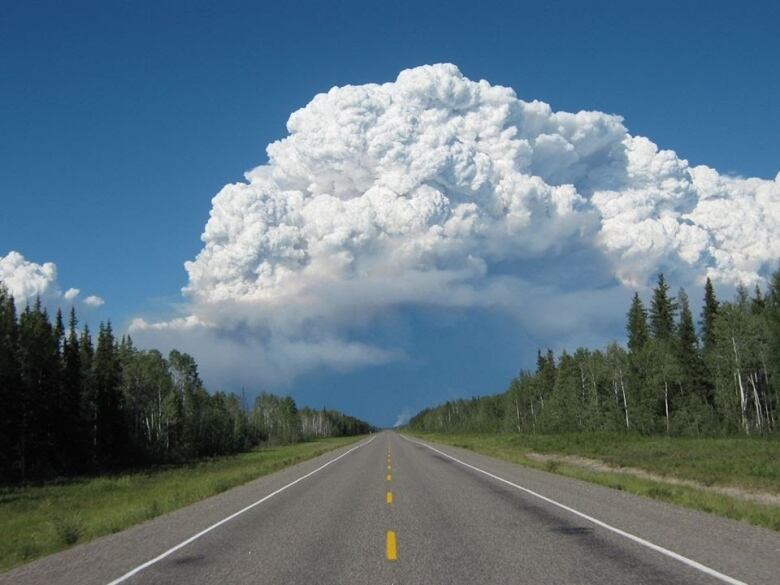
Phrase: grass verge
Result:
[751,464]
[38,520]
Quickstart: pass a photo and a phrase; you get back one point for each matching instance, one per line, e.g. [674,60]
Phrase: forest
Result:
[670,378]
[71,404]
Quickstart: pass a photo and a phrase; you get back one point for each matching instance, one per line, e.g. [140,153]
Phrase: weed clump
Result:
[68,529]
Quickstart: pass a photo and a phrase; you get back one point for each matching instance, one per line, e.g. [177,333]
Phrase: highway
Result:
[395,510]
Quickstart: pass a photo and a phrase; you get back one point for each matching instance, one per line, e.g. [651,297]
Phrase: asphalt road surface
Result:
[393,510]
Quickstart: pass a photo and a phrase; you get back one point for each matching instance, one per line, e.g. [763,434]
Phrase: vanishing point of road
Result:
[394,510]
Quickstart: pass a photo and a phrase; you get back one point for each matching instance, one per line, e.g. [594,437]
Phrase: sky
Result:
[120,121]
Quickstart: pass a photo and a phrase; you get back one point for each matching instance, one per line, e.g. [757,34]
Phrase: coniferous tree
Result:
[665,368]
[637,325]
[545,367]
[662,311]
[10,387]
[39,371]
[109,421]
[88,399]
[59,331]
[709,312]
[71,428]
[688,351]
[693,413]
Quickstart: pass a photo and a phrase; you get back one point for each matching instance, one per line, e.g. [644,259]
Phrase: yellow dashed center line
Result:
[392,552]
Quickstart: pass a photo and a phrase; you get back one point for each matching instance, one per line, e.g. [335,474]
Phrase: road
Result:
[393,510]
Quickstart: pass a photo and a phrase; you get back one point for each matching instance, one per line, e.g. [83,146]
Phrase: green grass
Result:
[751,464]
[38,520]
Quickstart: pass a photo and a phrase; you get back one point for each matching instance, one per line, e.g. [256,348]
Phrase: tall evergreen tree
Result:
[687,340]
[39,371]
[59,331]
[637,325]
[662,311]
[10,387]
[88,400]
[692,371]
[110,442]
[709,312]
[71,429]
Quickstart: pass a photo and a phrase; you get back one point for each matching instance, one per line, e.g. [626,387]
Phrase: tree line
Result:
[670,378]
[71,403]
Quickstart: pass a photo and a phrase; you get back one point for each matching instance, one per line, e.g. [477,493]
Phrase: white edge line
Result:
[194,537]
[628,535]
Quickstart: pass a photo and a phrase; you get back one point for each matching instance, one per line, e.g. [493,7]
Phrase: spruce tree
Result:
[39,371]
[709,312]
[637,325]
[686,333]
[10,387]
[688,352]
[59,331]
[662,311]
[72,432]
[109,423]
[88,399]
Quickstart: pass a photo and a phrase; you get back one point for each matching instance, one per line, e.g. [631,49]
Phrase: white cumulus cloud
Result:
[71,294]
[26,280]
[93,301]
[438,190]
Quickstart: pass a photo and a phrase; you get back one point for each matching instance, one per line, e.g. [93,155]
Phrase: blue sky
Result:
[121,120]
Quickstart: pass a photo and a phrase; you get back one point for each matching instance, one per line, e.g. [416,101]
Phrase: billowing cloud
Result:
[26,280]
[438,190]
